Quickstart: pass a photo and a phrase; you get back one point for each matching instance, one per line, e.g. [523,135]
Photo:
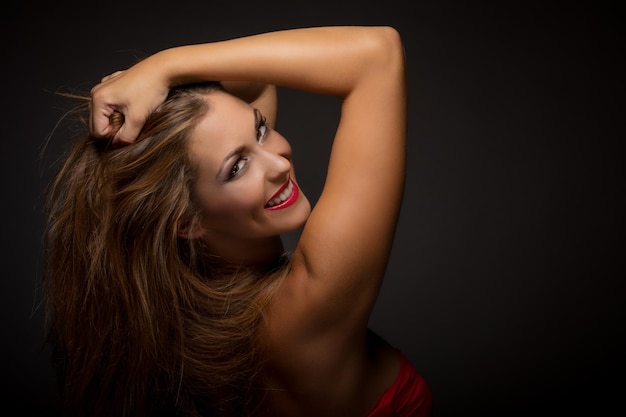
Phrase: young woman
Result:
[168,288]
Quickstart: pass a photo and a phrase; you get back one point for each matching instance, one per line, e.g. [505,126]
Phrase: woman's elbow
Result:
[388,48]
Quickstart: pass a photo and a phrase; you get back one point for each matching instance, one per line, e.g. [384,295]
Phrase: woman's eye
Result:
[237,167]
[262,130]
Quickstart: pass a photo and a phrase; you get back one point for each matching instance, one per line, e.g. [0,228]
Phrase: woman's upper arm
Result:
[343,251]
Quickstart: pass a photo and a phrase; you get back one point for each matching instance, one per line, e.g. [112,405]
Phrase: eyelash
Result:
[262,130]
[262,125]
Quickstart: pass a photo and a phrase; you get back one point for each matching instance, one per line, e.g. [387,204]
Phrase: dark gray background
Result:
[505,286]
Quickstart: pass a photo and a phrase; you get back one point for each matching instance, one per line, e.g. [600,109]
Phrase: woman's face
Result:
[246,183]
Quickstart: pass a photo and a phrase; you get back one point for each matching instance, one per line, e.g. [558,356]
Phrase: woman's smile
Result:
[284,197]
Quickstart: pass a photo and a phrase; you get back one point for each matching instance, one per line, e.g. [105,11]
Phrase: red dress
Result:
[409,396]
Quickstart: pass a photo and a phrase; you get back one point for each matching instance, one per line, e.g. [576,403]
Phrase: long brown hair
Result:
[141,321]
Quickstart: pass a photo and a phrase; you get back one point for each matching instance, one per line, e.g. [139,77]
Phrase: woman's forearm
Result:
[328,60]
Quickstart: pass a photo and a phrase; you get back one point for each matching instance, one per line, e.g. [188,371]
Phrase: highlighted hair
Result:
[141,321]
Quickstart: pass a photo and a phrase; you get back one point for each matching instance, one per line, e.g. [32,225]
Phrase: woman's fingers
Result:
[124,129]
[100,121]
[110,123]
[122,102]
[104,113]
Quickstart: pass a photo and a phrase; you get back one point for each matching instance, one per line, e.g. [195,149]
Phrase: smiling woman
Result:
[167,286]
[244,175]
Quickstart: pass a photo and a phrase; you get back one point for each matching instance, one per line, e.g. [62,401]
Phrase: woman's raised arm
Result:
[325,60]
[344,248]
[341,257]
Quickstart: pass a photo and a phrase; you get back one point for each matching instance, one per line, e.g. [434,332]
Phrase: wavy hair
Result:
[141,321]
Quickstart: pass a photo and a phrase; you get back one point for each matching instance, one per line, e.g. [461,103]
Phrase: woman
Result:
[167,284]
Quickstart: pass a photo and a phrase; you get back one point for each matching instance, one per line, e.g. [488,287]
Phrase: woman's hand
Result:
[122,102]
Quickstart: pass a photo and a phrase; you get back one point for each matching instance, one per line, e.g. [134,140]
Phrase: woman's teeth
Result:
[282,196]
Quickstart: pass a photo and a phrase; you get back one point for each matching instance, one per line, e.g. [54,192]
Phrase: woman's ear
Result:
[190,229]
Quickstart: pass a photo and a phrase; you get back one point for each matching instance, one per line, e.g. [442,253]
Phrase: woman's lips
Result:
[285,197]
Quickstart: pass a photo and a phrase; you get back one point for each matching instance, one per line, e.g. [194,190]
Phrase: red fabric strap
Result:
[409,396]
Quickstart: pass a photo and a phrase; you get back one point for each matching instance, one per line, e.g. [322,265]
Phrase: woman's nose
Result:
[278,166]
[277,152]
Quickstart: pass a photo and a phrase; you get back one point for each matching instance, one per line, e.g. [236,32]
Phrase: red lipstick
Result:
[284,197]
